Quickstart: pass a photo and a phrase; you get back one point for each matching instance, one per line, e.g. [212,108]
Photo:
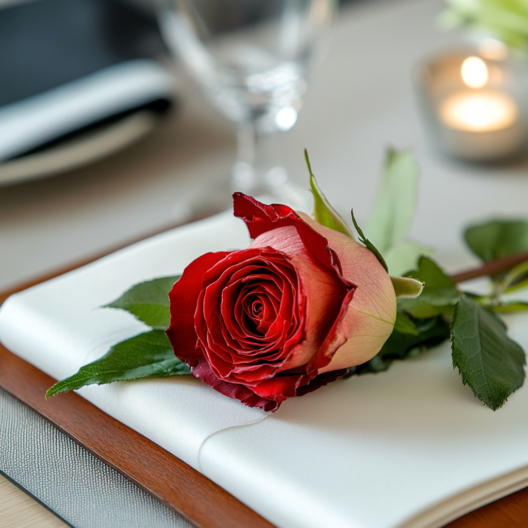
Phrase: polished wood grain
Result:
[20,510]
[164,476]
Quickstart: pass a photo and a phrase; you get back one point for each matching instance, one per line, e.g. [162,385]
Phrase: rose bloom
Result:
[284,317]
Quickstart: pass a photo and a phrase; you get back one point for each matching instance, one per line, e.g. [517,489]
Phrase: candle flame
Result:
[479,112]
[474,72]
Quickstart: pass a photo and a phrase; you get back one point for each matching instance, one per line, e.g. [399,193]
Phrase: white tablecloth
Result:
[55,222]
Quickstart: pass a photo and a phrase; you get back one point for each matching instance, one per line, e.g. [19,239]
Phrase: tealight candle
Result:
[480,112]
[471,112]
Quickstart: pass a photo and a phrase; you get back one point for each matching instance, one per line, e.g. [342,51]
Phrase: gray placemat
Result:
[70,480]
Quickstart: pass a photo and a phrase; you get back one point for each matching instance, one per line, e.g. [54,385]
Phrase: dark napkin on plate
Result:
[69,65]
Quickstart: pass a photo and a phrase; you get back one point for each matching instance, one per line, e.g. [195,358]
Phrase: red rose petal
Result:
[320,381]
[261,218]
[181,332]
[324,292]
[203,372]
[236,351]
[267,319]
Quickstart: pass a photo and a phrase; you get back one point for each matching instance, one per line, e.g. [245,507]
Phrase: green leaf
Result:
[405,325]
[147,355]
[487,359]
[438,296]
[430,333]
[407,288]
[517,278]
[403,345]
[148,301]
[483,300]
[368,244]
[394,208]
[404,258]
[497,238]
[511,307]
[324,213]
[520,285]
[506,20]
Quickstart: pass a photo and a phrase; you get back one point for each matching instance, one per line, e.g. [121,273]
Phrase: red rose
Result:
[284,317]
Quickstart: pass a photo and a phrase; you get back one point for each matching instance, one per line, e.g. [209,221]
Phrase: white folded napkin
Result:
[34,121]
[59,326]
[408,448]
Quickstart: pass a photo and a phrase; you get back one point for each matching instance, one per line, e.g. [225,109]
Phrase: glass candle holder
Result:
[475,103]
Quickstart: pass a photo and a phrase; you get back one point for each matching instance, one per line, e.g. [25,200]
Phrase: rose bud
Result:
[284,317]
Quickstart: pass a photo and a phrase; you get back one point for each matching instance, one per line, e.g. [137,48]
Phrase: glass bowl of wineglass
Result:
[252,59]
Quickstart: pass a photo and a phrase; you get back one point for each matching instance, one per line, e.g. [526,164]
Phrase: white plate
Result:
[81,150]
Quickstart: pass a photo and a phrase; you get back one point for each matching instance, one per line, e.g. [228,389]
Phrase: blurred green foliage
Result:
[506,20]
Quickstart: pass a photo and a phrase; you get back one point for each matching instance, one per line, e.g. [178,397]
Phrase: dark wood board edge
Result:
[173,482]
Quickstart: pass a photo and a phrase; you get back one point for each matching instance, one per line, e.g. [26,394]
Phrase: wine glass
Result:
[252,59]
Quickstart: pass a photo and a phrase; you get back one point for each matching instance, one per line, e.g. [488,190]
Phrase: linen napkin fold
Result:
[115,91]
[59,326]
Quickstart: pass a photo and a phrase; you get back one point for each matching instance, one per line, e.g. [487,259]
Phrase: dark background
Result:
[46,43]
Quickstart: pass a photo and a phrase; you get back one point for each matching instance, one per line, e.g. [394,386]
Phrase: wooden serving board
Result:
[163,475]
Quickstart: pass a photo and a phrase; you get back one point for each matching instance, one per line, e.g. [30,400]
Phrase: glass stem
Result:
[255,171]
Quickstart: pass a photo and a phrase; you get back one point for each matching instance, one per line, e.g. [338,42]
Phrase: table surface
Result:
[18,509]
[50,223]
[359,101]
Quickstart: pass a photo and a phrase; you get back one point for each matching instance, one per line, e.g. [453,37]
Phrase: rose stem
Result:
[491,268]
